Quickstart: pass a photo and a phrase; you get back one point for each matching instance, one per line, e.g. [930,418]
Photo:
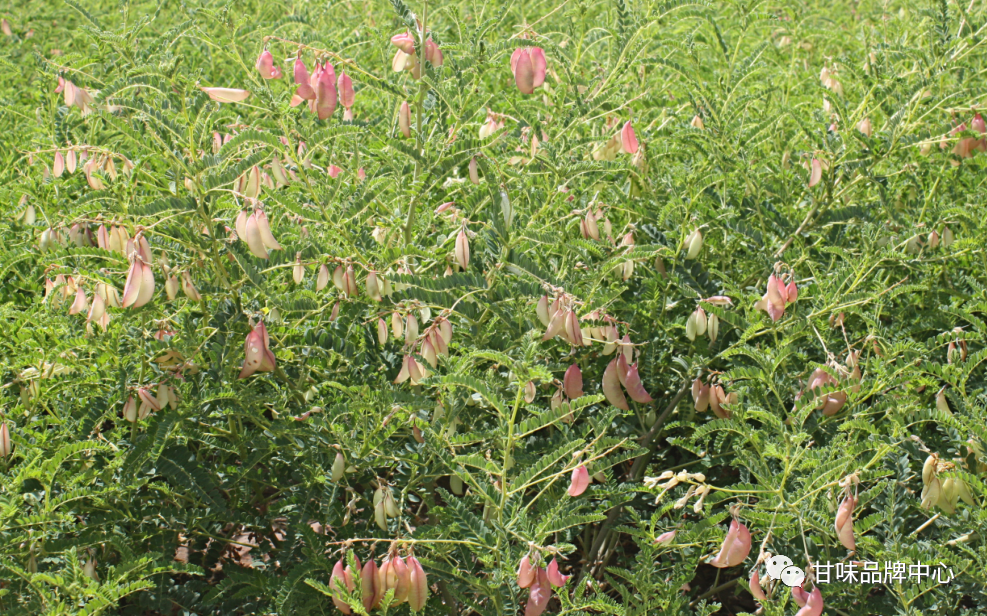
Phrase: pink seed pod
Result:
[405,42]
[579,481]
[418,591]
[403,574]
[529,67]
[628,140]
[81,303]
[305,91]
[573,331]
[6,447]
[189,289]
[541,310]
[139,288]
[433,54]
[555,578]
[298,270]
[345,87]
[58,167]
[526,574]
[755,586]
[252,236]
[257,353]
[130,410]
[264,228]
[148,402]
[463,249]
[539,594]
[226,95]
[404,119]
[844,522]
[799,595]
[337,584]
[572,382]
[774,300]
[266,67]
[865,127]
[325,93]
[735,548]
[815,174]
[473,172]
[611,385]
[666,537]
[370,592]
[633,385]
[373,287]
[529,392]
[813,603]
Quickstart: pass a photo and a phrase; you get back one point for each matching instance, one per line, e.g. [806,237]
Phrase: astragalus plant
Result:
[623,307]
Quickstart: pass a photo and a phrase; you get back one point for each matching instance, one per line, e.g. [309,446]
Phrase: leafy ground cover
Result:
[486,308]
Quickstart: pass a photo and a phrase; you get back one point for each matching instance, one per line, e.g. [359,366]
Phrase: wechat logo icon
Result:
[781,568]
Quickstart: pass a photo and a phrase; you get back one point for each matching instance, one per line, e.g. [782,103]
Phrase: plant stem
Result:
[636,472]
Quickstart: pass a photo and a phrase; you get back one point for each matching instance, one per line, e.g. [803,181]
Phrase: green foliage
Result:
[230,500]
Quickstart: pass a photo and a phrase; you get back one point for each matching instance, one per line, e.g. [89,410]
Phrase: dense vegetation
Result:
[483,295]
